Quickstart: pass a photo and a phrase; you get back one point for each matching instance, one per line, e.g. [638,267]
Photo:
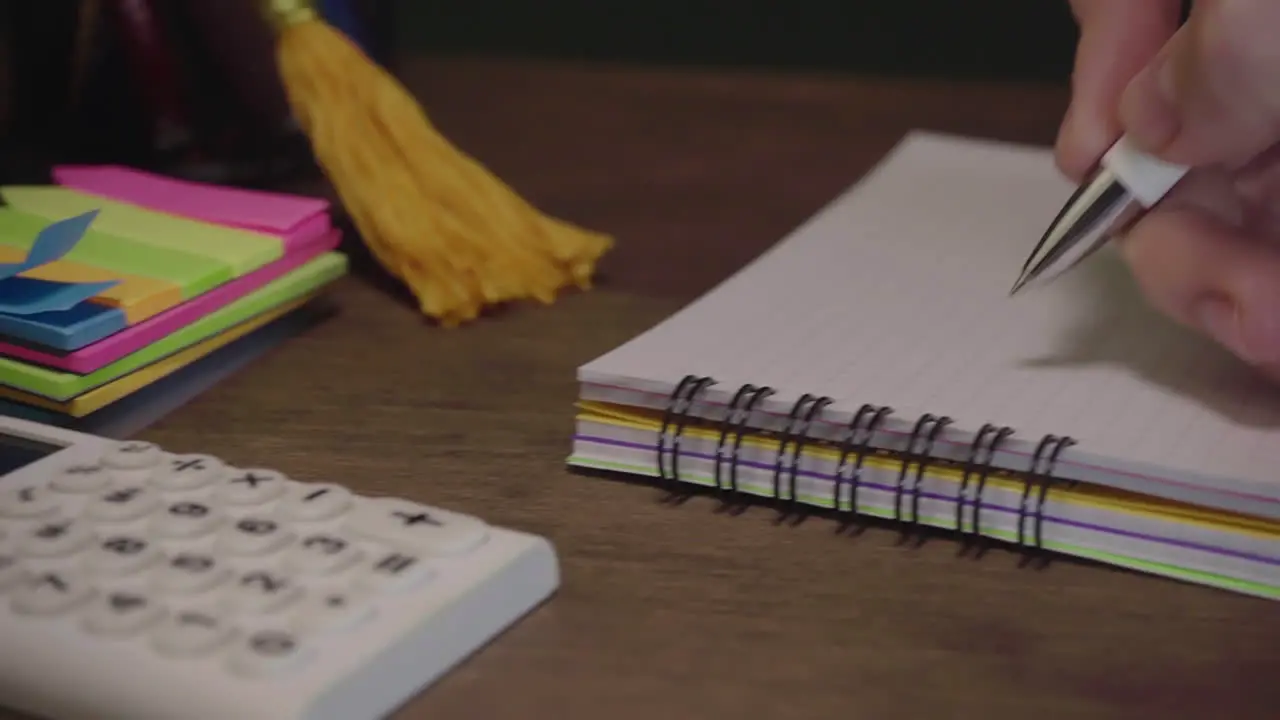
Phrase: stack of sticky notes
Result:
[120,285]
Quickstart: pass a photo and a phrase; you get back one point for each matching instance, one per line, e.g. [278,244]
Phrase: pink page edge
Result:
[132,339]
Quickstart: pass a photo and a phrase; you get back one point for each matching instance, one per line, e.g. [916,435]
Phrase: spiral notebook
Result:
[872,365]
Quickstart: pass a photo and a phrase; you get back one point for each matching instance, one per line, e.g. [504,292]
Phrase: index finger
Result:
[1118,38]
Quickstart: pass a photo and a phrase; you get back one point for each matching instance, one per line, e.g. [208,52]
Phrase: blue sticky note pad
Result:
[21,296]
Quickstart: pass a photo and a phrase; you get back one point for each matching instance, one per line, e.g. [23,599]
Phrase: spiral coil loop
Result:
[856,442]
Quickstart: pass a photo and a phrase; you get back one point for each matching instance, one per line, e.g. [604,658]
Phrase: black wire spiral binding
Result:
[734,423]
[855,445]
[979,463]
[677,413]
[1040,477]
[935,425]
[856,442]
[795,435]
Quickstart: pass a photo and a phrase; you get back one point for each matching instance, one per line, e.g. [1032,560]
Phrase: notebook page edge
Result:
[1074,464]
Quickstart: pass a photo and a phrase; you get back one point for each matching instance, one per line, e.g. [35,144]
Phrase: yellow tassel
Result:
[456,235]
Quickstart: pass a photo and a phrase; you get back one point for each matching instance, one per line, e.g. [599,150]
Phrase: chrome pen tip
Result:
[1022,281]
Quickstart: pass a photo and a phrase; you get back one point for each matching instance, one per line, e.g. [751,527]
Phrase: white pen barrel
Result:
[1148,178]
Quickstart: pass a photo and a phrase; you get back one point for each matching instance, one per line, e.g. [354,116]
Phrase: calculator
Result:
[142,584]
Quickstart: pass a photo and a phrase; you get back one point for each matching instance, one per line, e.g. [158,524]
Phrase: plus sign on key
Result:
[417,528]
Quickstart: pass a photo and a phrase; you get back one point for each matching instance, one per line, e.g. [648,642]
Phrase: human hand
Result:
[1205,95]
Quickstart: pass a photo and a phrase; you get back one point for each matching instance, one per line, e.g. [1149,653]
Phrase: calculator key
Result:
[123,504]
[49,593]
[260,591]
[251,487]
[190,633]
[190,573]
[394,571]
[267,652]
[26,502]
[121,555]
[330,612]
[131,455]
[11,572]
[322,554]
[83,478]
[417,528]
[55,538]
[121,613]
[314,502]
[253,536]
[187,472]
[185,519]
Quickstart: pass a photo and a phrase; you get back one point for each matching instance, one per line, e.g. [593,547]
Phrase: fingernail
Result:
[1254,338]
[1148,108]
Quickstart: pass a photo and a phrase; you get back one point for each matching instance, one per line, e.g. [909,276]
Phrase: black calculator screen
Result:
[18,452]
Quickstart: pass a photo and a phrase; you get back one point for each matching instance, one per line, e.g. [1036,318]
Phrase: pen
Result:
[1126,183]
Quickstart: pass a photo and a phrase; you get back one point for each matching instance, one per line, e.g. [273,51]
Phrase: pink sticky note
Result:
[293,218]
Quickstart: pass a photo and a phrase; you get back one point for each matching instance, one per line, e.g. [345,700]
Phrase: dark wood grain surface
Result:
[679,612]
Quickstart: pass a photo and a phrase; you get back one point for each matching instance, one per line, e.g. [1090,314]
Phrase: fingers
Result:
[1211,95]
[1117,40]
[1202,271]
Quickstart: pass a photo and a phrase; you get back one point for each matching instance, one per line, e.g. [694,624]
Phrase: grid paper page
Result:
[897,293]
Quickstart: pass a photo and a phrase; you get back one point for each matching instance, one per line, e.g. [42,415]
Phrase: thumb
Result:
[1211,95]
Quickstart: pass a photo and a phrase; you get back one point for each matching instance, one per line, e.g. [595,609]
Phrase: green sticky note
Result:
[241,250]
[58,385]
[194,274]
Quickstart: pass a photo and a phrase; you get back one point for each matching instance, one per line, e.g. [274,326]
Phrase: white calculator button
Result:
[267,652]
[417,528]
[394,571]
[54,538]
[123,504]
[314,502]
[131,455]
[185,519]
[251,487]
[11,572]
[260,591]
[187,472]
[121,555]
[321,554]
[330,612]
[190,573]
[26,502]
[190,633]
[121,613]
[253,536]
[49,593]
[83,478]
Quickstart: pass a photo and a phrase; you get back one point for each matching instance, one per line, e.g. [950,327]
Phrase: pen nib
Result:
[1021,283]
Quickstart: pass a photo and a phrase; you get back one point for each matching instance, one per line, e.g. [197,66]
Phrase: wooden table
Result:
[678,612]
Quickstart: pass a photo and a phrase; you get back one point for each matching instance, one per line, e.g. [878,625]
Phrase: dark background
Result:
[985,40]
[992,39]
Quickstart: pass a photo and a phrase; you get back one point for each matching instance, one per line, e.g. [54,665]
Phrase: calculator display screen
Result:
[18,452]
